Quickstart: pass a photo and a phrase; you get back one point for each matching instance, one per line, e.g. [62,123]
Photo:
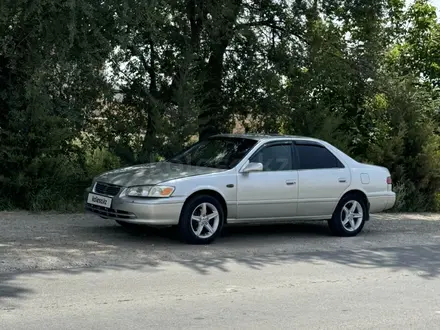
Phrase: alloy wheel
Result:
[352,215]
[205,220]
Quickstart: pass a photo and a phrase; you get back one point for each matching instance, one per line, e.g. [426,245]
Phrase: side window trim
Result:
[295,157]
[277,143]
[307,143]
[317,144]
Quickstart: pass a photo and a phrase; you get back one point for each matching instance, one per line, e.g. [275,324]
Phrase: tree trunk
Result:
[213,119]
[149,143]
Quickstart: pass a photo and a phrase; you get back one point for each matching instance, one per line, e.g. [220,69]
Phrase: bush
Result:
[99,160]
[47,183]
[408,144]
[409,199]
[55,183]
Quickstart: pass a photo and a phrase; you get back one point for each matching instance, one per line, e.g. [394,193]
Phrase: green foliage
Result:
[136,81]
[48,83]
[100,160]
[57,182]
[407,144]
[418,53]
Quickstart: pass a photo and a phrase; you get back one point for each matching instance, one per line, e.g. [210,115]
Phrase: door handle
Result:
[290,182]
[342,180]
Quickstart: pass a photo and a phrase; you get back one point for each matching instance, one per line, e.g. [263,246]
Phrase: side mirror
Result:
[253,167]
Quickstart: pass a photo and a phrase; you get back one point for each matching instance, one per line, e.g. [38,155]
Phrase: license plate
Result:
[99,200]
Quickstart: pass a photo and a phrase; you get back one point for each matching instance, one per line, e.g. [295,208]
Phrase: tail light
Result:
[389,180]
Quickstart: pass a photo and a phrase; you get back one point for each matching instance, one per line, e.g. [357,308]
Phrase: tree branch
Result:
[138,53]
[151,70]
[196,15]
[267,23]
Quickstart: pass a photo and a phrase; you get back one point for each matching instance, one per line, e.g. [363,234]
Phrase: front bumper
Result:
[154,212]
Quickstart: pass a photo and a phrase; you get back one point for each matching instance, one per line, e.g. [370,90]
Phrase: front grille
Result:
[109,213]
[107,189]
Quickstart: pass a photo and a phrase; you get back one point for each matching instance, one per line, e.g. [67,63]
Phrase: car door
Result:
[322,179]
[271,193]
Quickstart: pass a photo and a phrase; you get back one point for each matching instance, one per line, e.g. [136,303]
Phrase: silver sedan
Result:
[252,179]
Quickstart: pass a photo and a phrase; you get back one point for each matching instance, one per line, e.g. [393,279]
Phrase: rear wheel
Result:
[201,220]
[349,216]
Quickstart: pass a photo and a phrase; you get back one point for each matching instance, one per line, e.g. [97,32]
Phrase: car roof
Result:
[259,137]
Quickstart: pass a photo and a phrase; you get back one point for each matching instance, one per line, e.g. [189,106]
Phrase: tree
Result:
[407,142]
[144,78]
[50,59]
[418,52]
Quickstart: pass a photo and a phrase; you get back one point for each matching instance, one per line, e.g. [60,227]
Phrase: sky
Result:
[437,4]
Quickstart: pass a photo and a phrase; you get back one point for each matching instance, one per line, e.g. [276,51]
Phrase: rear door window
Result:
[315,156]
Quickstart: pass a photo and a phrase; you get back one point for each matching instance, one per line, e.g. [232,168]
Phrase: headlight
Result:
[150,191]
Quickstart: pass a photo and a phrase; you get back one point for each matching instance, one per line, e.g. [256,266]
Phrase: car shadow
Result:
[254,235]
[422,258]
[101,245]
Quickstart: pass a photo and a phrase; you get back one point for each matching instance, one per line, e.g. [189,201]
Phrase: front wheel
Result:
[201,220]
[349,216]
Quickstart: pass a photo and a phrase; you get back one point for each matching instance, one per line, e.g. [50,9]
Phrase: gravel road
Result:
[30,242]
[77,271]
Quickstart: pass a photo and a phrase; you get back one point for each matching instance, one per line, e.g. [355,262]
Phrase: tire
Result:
[208,228]
[346,224]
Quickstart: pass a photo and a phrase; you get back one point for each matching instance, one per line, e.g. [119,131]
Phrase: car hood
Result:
[153,173]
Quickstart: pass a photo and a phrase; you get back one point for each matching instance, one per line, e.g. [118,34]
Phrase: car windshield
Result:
[216,152]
